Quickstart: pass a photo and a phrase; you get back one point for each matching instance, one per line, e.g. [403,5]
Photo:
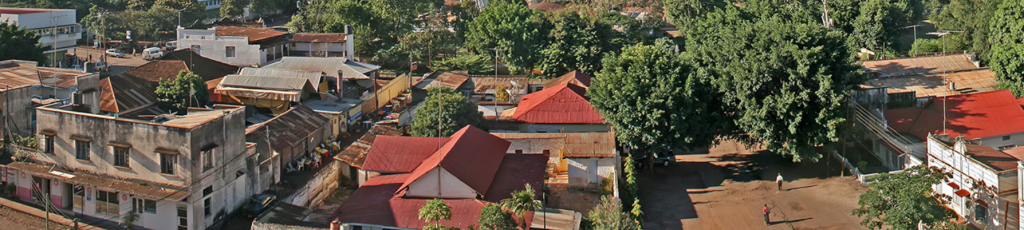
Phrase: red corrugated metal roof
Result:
[24,10]
[396,154]
[976,115]
[563,104]
[991,157]
[515,171]
[472,155]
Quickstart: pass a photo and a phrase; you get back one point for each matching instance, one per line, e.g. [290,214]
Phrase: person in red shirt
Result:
[766,211]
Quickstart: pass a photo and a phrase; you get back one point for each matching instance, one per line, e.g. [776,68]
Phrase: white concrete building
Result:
[238,46]
[58,28]
[176,172]
[322,45]
[984,183]
[211,4]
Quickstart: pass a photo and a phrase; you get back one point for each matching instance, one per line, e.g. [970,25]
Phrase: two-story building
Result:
[22,83]
[240,46]
[175,172]
[58,28]
[983,187]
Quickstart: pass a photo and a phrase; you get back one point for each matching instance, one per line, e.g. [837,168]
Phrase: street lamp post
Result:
[179,16]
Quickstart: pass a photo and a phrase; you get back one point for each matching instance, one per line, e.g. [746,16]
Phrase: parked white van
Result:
[152,53]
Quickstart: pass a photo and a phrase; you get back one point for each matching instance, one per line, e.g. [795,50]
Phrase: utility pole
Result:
[55,21]
[496,115]
[46,202]
[915,36]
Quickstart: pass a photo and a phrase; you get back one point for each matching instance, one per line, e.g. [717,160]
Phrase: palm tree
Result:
[520,203]
[434,211]
[128,220]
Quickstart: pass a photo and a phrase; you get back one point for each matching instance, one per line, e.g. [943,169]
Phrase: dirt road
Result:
[722,188]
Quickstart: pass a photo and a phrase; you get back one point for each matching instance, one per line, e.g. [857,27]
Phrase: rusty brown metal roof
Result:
[577,145]
[319,37]
[17,74]
[133,186]
[486,85]
[355,154]
[255,35]
[292,126]
[124,93]
[448,79]
[920,65]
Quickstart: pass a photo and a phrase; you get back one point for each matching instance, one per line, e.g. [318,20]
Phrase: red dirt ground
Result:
[11,219]
[722,188]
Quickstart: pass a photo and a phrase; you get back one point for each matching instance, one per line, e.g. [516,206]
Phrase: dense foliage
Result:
[1007,39]
[17,43]
[514,29]
[608,215]
[492,217]
[186,90]
[971,16]
[900,200]
[522,201]
[378,24]
[449,107]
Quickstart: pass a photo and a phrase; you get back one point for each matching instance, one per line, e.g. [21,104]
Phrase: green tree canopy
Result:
[455,112]
[972,17]
[575,42]
[900,200]
[17,43]
[780,81]
[608,215]
[654,99]
[435,211]
[493,218]
[1007,54]
[513,28]
[177,95]
[232,8]
[471,62]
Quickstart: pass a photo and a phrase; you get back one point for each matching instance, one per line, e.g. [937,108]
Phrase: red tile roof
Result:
[356,153]
[379,200]
[124,93]
[575,77]
[976,115]
[396,154]
[319,37]
[562,104]
[254,34]
[472,155]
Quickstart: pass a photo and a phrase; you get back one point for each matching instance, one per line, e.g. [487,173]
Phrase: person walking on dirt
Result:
[778,181]
[766,211]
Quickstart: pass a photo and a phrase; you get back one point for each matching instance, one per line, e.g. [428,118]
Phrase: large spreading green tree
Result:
[1007,39]
[470,62]
[608,215]
[655,100]
[445,110]
[492,217]
[973,17]
[17,43]
[575,42]
[780,82]
[900,200]
[514,29]
[184,91]
[232,8]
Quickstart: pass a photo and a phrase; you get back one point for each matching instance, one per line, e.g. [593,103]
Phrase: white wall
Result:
[590,171]
[47,20]
[997,141]
[449,186]
[214,47]
[964,172]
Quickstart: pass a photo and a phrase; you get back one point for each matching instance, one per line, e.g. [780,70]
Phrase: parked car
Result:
[171,45]
[664,160]
[114,53]
[101,66]
[258,204]
[152,53]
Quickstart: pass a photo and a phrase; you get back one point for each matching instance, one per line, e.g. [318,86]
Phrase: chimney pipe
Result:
[335,225]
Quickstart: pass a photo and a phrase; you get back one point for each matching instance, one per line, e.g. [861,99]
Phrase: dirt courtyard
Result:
[727,186]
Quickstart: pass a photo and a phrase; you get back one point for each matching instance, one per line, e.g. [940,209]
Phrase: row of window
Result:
[123,154]
[72,29]
[213,2]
